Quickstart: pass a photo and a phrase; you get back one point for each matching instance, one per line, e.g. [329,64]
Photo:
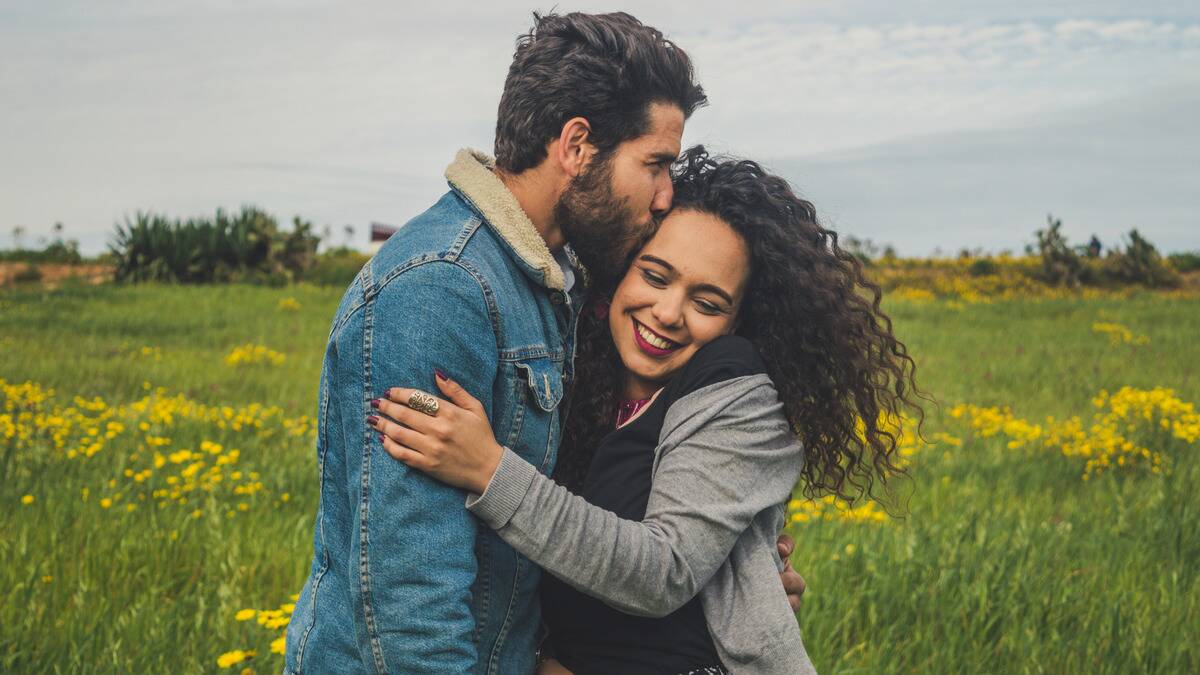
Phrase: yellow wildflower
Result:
[234,657]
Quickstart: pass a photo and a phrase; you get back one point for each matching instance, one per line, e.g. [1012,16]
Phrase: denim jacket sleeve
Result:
[416,564]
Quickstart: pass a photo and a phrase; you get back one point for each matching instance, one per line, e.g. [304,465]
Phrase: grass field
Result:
[152,490]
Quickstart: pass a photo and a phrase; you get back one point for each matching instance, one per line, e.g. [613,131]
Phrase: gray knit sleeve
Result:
[726,453]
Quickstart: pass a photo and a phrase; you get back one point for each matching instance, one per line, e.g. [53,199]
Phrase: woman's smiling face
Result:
[682,291]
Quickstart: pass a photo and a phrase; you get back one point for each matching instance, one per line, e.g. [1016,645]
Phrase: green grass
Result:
[1005,562]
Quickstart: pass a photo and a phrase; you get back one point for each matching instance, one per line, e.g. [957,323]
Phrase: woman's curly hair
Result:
[811,312]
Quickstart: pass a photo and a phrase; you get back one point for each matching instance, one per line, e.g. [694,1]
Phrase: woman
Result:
[735,356]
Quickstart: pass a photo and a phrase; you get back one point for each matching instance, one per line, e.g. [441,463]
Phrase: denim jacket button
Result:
[556,298]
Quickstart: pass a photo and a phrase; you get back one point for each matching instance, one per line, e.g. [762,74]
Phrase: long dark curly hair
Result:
[811,312]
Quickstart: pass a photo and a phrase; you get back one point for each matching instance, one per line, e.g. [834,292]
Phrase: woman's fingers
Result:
[459,396]
[785,545]
[396,407]
[407,455]
[398,432]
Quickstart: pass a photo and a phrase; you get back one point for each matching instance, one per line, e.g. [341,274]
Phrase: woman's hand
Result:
[793,583]
[455,446]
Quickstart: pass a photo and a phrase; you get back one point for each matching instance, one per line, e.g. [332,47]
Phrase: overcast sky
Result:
[932,124]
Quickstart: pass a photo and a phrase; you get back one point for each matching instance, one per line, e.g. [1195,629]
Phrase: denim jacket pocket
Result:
[545,381]
[536,391]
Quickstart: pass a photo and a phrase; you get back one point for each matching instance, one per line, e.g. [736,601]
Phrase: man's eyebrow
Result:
[717,290]
[664,156]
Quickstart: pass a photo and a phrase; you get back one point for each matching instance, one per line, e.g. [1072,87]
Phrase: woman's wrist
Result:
[492,462]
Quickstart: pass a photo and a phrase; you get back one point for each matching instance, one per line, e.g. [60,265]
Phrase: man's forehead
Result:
[665,134]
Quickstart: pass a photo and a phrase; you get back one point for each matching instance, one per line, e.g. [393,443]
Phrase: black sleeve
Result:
[725,358]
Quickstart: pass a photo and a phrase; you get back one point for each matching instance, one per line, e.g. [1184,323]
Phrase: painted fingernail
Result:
[375,403]
[440,374]
[380,438]
[372,420]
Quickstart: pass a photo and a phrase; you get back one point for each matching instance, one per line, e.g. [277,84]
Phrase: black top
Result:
[586,635]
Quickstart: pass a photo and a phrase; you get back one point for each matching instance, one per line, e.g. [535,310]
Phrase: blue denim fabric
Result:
[403,579]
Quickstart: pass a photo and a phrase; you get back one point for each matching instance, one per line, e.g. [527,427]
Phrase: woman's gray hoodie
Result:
[723,472]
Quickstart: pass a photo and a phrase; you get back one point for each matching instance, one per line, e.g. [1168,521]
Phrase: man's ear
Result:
[573,149]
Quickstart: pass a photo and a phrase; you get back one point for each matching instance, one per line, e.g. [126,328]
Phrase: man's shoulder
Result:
[452,233]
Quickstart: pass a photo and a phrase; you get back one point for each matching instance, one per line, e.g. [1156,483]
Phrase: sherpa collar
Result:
[471,174]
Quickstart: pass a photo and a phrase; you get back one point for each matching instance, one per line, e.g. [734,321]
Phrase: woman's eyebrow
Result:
[656,260]
[716,290]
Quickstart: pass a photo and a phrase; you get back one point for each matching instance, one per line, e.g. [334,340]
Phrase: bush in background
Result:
[1061,265]
[59,250]
[1185,262]
[336,267]
[983,267]
[246,246]
[1139,263]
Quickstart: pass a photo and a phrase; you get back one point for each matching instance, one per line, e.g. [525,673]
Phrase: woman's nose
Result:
[668,312]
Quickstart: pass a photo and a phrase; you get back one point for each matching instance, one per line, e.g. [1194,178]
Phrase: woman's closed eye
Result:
[707,307]
[653,278]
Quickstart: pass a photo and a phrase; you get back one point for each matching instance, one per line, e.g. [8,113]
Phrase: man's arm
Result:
[415,559]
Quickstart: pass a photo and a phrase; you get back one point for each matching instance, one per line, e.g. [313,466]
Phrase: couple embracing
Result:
[562,411]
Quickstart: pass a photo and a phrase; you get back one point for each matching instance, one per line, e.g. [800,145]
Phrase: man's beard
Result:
[598,225]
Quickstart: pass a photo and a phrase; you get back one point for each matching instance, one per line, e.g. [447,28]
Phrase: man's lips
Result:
[652,343]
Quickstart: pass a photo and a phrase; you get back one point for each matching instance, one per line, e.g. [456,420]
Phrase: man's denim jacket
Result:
[403,578]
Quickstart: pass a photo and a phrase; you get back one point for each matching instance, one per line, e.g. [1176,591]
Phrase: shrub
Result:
[1185,262]
[28,274]
[336,267]
[58,251]
[1139,263]
[1061,265]
[982,267]
[247,246]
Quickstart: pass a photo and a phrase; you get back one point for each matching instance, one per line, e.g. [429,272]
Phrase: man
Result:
[485,285]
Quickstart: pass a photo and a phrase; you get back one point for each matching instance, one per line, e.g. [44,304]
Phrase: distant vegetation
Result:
[59,250]
[1051,261]
[245,246]
[250,246]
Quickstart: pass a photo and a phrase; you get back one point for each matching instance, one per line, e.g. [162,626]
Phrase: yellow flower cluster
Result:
[926,280]
[831,508]
[1133,429]
[1124,429]
[289,305]
[271,619]
[35,430]
[252,354]
[988,422]
[908,443]
[1118,334]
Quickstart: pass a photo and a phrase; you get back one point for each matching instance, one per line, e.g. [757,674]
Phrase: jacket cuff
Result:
[505,492]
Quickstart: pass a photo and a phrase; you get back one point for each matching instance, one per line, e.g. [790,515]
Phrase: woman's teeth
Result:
[654,339]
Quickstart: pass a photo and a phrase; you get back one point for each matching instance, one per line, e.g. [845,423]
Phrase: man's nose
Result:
[662,199]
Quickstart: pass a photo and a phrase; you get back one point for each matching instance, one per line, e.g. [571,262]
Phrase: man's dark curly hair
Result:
[606,68]
[812,314]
